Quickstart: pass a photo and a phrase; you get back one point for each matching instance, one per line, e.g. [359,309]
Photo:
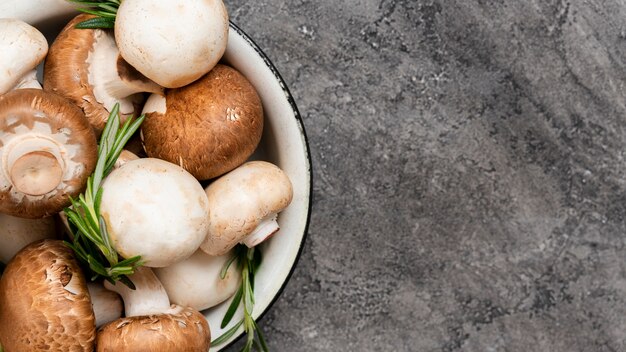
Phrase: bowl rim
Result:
[309,165]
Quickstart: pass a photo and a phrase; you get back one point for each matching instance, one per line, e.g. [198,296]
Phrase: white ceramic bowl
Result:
[284,144]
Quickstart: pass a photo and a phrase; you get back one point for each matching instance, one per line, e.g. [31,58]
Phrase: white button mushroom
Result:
[244,204]
[37,11]
[195,282]
[23,47]
[172,42]
[84,66]
[16,233]
[154,209]
[151,324]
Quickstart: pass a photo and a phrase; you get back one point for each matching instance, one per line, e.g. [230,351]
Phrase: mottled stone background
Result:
[469,173]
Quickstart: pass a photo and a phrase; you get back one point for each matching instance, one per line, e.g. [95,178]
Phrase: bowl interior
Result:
[283,143]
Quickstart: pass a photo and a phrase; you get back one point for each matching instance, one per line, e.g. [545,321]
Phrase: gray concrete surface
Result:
[469,167]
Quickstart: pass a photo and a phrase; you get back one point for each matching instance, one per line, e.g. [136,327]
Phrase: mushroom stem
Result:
[36,173]
[265,229]
[34,164]
[107,305]
[113,79]
[149,297]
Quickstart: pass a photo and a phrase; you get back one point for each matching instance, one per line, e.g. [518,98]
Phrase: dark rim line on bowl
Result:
[292,103]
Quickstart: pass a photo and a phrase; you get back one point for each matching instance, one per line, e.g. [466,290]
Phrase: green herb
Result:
[105,10]
[249,260]
[91,241]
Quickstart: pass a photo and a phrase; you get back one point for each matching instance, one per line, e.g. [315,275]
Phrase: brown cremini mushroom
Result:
[243,206]
[84,66]
[208,127]
[44,302]
[47,151]
[151,324]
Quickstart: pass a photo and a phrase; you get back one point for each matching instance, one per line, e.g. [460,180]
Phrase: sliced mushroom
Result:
[16,233]
[47,151]
[180,43]
[208,127]
[84,66]
[151,324]
[23,47]
[44,302]
[154,209]
[195,282]
[243,206]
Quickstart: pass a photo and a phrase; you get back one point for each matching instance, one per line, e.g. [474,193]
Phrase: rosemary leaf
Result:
[227,266]
[97,23]
[105,10]
[259,333]
[249,262]
[227,335]
[92,243]
[232,308]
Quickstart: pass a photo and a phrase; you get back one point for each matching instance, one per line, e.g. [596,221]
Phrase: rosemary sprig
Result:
[249,260]
[91,241]
[105,10]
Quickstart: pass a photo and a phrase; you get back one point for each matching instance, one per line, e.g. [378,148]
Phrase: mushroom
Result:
[243,206]
[23,47]
[195,282]
[107,305]
[172,42]
[125,156]
[44,302]
[208,127]
[16,233]
[151,323]
[154,209]
[47,152]
[37,11]
[84,66]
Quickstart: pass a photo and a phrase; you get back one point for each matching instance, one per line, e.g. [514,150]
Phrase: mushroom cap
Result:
[32,118]
[23,47]
[208,127]
[181,41]
[66,71]
[44,302]
[240,200]
[186,330]
[154,209]
[195,282]
[16,233]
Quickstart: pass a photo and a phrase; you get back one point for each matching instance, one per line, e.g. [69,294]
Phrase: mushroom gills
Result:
[264,230]
[113,80]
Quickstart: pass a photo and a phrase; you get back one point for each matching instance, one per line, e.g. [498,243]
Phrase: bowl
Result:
[283,143]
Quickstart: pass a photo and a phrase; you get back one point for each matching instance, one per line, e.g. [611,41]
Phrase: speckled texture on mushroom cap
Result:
[240,200]
[66,71]
[37,310]
[210,126]
[186,331]
[28,111]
